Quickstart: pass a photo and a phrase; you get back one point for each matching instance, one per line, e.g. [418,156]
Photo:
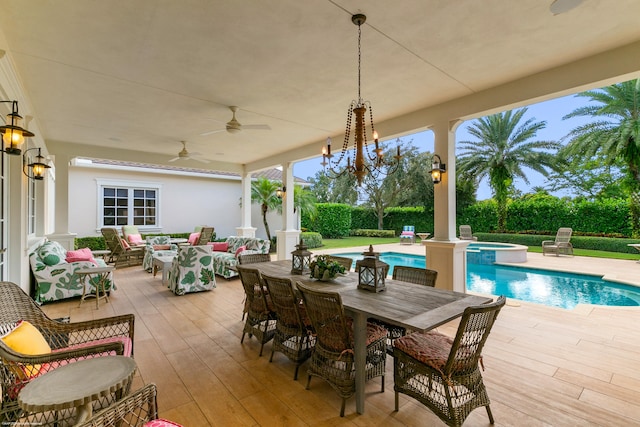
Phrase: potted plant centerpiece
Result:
[322,268]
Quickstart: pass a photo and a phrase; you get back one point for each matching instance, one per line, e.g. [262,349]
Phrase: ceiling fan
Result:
[185,155]
[234,126]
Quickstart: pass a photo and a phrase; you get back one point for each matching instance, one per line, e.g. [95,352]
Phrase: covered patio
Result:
[544,366]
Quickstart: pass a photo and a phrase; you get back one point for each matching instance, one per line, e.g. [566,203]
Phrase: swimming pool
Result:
[553,288]
[490,252]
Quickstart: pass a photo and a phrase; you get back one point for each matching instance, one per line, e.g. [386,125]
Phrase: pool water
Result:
[552,288]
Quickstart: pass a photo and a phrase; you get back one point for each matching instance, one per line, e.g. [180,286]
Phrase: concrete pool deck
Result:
[615,270]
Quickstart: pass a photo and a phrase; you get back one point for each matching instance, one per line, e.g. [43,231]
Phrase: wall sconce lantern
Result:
[280,192]
[12,134]
[371,272]
[300,259]
[36,169]
[437,169]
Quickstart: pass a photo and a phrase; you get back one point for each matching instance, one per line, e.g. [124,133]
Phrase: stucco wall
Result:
[185,201]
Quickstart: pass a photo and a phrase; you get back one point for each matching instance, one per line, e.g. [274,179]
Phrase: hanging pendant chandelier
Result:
[358,166]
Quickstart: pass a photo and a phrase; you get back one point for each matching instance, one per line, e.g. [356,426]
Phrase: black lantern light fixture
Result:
[358,167]
[300,259]
[371,271]
[12,133]
[437,169]
[34,169]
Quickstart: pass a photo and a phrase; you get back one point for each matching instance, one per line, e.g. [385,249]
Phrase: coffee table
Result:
[101,275]
[78,384]
[162,262]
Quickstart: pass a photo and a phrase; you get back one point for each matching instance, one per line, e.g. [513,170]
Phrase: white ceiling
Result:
[131,76]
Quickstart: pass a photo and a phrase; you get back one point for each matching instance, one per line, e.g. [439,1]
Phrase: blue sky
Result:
[550,111]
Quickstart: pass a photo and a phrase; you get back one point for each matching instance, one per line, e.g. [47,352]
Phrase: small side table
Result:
[162,263]
[101,275]
[423,236]
[78,384]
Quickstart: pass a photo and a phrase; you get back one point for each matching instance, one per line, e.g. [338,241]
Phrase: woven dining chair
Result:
[333,357]
[253,258]
[419,276]
[261,318]
[343,261]
[443,373]
[294,336]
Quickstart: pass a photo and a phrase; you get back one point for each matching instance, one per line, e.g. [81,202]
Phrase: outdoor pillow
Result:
[125,244]
[135,239]
[220,246]
[26,339]
[52,253]
[83,254]
[240,249]
[161,247]
[161,422]
[193,238]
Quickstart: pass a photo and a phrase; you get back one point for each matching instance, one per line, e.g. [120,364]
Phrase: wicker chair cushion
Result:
[161,247]
[126,341]
[161,423]
[135,239]
[374,333]
[52,253]
[430,348]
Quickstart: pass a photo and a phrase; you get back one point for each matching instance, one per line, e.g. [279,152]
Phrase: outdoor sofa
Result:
[225,254]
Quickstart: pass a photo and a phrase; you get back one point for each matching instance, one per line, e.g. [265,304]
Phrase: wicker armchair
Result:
[294,335]
[261,318]
[134,410]
[333,358]
[253,258]
[120,255]
[442,373]
[69,342]
[342,260]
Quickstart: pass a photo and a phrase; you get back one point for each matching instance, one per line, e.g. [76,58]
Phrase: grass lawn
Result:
[364,241]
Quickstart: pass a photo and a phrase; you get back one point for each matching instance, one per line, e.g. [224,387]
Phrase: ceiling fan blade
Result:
[201,160]
[174,159]
[212,132]
[259,127]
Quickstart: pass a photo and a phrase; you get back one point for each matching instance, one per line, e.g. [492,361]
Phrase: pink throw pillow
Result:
[83,254]
[193,238]
[161,422]
[240,249]
[125,244]
[220,246]
[161,247]
[135,239]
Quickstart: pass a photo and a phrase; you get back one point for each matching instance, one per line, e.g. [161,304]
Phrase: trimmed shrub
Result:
[396,218]
[579,242]
[311,239]
[94,243]
[333,220]
[373,233]
[363,218]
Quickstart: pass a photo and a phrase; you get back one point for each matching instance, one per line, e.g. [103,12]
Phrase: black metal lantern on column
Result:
[300,259]
[371,272]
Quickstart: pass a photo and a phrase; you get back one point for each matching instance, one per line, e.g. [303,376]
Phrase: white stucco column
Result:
[245,228]
[445,253]
[61,231]
[289,236]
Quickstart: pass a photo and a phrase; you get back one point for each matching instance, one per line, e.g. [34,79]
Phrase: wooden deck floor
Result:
[544,366]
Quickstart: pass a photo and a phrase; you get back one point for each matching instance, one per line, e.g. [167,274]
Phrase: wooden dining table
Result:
[412,306]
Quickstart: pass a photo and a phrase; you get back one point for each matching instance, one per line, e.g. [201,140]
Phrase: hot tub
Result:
[492,252]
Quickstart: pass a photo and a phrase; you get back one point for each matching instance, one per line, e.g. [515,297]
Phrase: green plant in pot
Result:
[324,269]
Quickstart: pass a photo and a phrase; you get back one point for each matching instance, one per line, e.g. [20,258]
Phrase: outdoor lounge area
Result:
[544,366]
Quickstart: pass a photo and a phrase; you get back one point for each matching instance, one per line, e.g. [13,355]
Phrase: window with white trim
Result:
[129,204]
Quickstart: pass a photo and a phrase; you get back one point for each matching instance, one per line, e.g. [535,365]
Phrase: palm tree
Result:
[505,145]
[263,192]
[614,135]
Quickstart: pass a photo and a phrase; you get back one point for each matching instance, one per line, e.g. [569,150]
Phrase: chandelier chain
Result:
[359,61]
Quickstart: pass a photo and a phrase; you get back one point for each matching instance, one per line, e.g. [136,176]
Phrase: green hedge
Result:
[579,242]
[363,219]
[373,233]
[333,220]
[93,243]
[311,239]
